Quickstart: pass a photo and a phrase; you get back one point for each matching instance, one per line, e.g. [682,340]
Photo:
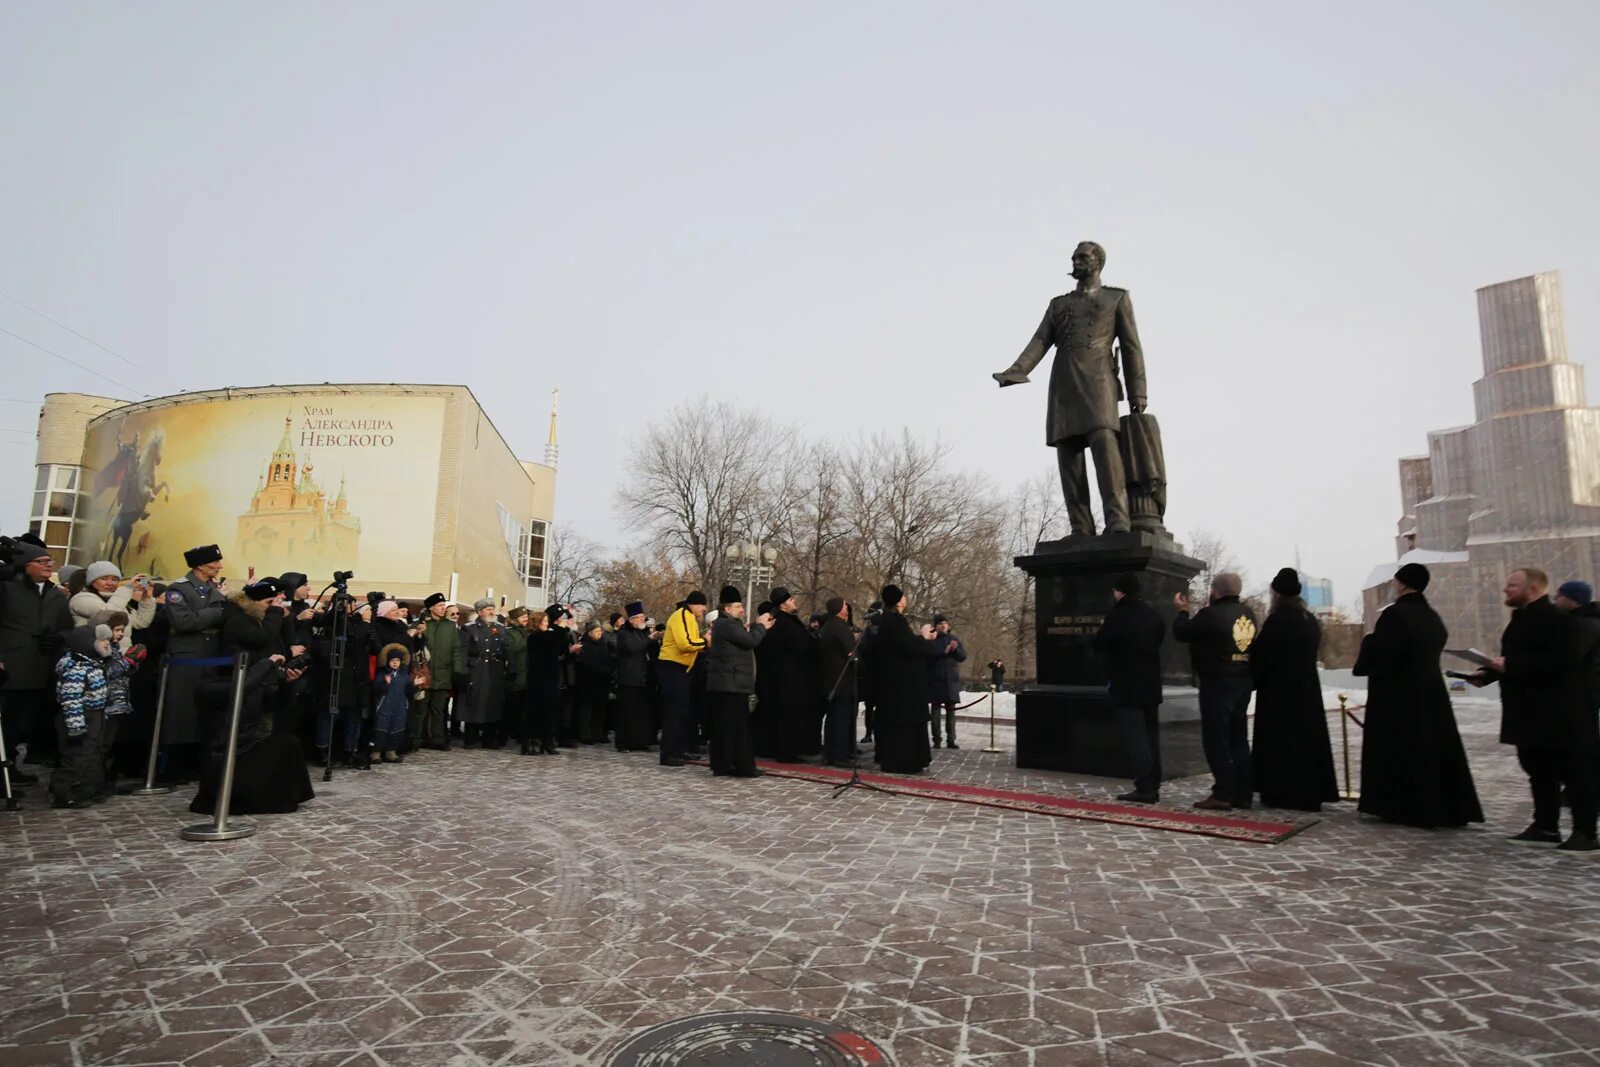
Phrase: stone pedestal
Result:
[1065,721]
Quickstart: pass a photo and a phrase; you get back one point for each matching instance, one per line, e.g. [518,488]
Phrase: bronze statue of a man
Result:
[1084,390]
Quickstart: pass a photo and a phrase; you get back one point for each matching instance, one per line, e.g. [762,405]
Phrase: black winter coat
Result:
[900,656]
[1292,759]
[834,645]
[730,662]
[1219,637]
[32,623]
[633,657]
[393,632]
[1413,767]
[547,658]
[944,673]
[1588,622]
[788,719]
[1541,691]
[1129,642]
[248,627]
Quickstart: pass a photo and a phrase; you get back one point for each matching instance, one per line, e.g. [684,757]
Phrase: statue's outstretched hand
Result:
[1009,376]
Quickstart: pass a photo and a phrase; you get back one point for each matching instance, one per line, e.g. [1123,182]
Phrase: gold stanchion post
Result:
[150,789]
[1344,734]
[992,746]
[222,829]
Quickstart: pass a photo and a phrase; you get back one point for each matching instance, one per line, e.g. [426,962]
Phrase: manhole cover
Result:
[748,1039]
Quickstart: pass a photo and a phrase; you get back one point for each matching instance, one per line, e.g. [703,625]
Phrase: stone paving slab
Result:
[477,908]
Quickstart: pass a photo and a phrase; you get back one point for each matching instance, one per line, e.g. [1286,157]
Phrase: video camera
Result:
[295,663]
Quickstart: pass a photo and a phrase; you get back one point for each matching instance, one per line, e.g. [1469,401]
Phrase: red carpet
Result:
[1251,826]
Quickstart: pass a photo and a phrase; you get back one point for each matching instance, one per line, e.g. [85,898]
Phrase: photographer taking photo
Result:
[105,589]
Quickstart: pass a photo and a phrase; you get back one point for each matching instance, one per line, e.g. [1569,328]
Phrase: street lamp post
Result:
[753,562]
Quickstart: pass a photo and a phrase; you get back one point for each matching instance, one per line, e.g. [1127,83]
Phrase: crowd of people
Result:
[331,679]
[1414,768]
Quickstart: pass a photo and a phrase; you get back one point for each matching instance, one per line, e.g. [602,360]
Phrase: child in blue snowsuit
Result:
[81,692]
[391,695]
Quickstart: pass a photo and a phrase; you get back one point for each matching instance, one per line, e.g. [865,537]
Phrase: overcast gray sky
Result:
[845,215]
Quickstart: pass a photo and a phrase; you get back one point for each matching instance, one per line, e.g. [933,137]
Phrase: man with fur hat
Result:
[81,696]
[34,618]
[194,609]
[446,659]
[483,642]
[1413,767]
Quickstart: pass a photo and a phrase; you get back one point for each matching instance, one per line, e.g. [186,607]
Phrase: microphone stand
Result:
[855,781]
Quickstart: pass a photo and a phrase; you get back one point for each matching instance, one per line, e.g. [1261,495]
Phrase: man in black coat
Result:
[1542,710]
[1129,642]
[788,689]
[1219,637]
[34,619]
[1413,767]
[1577,599]
[837,644]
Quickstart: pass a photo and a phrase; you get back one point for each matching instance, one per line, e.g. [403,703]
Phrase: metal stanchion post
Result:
[992,746]
[222,829]
[150,789]
[1344,733]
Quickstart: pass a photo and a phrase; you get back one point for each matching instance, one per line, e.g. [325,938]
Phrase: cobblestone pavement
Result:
[483,908]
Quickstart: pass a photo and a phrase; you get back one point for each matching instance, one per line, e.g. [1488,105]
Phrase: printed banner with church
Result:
[309,482]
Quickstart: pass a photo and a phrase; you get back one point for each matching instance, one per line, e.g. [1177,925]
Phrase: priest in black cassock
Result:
[1413,766]
[1292,758]
[788,720]
[901,676]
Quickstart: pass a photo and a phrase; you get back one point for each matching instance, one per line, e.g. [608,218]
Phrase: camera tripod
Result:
[338,634]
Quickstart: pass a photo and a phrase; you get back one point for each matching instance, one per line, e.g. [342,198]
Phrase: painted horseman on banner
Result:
[133,475]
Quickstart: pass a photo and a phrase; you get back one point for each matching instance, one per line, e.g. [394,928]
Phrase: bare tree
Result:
[1036,513]
[575,564]
[815,527]
[1209,548]
[696,481]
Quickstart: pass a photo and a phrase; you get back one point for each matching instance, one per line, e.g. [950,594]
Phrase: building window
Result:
[57,505]
[526,544]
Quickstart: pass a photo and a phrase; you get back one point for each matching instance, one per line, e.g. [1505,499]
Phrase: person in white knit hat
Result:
[105,589]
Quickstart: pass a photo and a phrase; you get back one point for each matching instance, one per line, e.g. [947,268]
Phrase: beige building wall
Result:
[493,487]
[58,499]
[476,472]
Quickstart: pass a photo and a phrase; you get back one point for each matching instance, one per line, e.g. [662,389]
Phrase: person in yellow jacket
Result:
[680,647]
